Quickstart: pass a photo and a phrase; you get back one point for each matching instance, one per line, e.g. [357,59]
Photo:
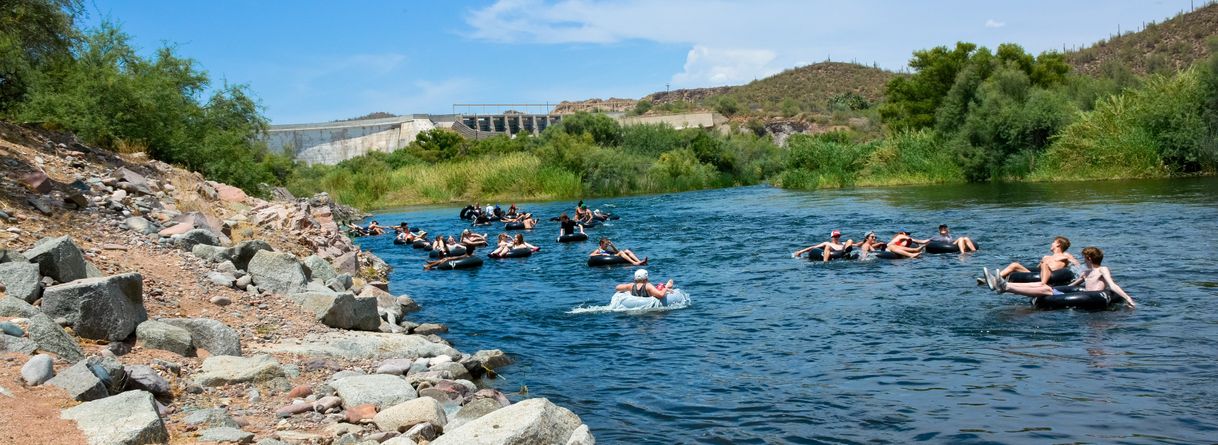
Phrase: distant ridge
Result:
[1164,47]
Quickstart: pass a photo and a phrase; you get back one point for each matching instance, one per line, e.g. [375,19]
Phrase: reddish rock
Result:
[37,181]
[177,229]
[229,193]
[293,409]
[300,392]
[361,413]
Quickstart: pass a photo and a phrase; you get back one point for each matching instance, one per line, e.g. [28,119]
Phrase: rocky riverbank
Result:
[140,303]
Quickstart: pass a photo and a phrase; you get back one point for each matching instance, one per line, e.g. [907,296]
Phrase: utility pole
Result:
[666,88]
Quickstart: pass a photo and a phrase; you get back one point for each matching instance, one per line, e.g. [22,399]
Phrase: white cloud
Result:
[718,66]
[991,23]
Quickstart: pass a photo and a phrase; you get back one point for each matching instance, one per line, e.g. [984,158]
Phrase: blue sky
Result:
[313,61]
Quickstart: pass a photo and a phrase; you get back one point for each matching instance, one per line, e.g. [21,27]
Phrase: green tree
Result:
[641,107]
[605,131]
[913,100]
[437,145]
[33,35]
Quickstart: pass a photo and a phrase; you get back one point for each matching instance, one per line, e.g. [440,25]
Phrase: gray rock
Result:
[223,370]
[58,258]
[20,345]
[378,389]
[269,441]
[340,283]
[320,268]
[470,411]
[145,378]
[211,335]
[37,370]
[278,272]
[400,440]
[347,263]
[43,330]
[487,359]
[300,437]
[140,225]
[110,371]
[80,382]
[211,253]
[130,180]
[243,252]
[107,308]
[394,366]
[343,311]
[129,418]
[187,241]
[529,422]
[581,436]
[227,267]
[154,334]
[403,416]
[226,435]
[452,371]
[422,432]
[21,280]
[91,271]
[362,345]
[12,256]
[430,328]
[221,279]
[210,418]
[244,282]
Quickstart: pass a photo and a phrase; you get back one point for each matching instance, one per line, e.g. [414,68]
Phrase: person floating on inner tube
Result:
[900,245]
[519,242]
[828,247]
[469,252]
[512,213]
[440,245]
[964,243]
[403,233]
[503,244]
[641,288]
[1057,259]
[566,226]
[375,229]
[869,244]
[606,247]
[471,239]
[1096,277]
[582,214]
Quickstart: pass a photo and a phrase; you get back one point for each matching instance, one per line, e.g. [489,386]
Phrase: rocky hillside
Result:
[811,87]
[1164,47]
[610,105]
[140,304]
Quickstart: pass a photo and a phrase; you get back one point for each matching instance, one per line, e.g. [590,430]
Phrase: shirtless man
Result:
[964,243]
[1057,259]
[1096,277]
[828,247]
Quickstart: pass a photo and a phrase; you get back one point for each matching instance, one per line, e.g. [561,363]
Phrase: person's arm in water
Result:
[800,252]
[1107,277]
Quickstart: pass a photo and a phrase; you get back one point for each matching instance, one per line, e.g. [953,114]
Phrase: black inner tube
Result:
[464,263]
[452,251]
[515,225]
[819,254]
[519,252]
[574,237]
[1075,297]
[1059,277]
[606,260]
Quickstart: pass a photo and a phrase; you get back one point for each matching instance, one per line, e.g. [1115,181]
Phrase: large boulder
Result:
[473,410]
[343,310]
[244,251]
[404,415]
[21,280]
[211,335]
[190,239]
[279,272]
[107,308]
[362,346]
[226,370]
[347,263]
[320,268]
[154,334]
[376,389]
[211,253]
[532,421]
[143,377]
[80,382]
[58,258]
[129,418]
[49,336]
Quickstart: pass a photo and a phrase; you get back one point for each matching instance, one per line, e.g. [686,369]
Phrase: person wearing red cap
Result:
[828,247]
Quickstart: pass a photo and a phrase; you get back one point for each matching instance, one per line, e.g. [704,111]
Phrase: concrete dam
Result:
[334,142]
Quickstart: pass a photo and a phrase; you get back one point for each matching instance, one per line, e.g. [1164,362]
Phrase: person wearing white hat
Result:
[828,247]
[642,288]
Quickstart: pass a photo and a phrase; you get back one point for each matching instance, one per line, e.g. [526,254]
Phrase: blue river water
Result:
[782,350]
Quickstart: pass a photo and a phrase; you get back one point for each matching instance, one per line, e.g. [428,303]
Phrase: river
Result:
[782,350]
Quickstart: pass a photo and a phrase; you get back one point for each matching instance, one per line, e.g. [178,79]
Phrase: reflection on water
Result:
[777,350]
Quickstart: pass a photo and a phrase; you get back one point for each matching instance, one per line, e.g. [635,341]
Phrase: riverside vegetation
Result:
[966,114]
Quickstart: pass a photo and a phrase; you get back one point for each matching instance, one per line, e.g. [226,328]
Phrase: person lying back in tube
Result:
[642,288]
[471,239]
[901,245]
[606,248]
[503,244]
[1096,277]
[469,252]
[964,243]
[442,246]
[375,228]
[1056,259]
[828,247]
[582,214]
